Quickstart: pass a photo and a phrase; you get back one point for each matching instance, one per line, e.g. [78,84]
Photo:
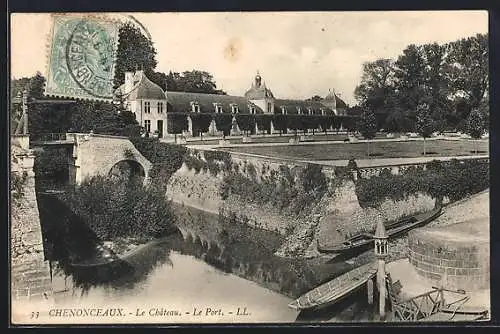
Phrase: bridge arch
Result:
[102,154]
[126,169]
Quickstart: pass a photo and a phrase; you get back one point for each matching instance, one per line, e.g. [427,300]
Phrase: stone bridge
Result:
[94,154]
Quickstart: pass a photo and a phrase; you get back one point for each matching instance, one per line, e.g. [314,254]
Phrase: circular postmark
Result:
[90,58]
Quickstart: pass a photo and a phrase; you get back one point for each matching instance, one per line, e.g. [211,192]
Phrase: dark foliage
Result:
[120,208]
[166,158]
[454,179]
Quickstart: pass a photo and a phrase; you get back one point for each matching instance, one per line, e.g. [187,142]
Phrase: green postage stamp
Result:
[81,59]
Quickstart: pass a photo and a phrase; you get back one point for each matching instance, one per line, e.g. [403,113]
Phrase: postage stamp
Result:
[81,60]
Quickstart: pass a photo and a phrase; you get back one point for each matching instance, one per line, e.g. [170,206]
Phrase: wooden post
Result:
[382,288]
[381,250]
[369,285]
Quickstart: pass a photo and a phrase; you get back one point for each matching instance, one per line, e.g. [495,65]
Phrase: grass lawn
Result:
[379,150]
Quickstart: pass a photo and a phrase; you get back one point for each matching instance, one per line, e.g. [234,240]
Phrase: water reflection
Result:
[225,244]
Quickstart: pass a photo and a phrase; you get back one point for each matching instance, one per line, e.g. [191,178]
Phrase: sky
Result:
[298,54]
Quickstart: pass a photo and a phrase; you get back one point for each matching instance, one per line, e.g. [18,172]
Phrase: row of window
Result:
[308,111]
[195,107]
[147,107]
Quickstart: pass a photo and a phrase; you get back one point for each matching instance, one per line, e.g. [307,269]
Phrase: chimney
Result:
[129,82]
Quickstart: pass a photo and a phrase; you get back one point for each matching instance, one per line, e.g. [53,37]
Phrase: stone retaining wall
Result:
[30,272]
[457,259]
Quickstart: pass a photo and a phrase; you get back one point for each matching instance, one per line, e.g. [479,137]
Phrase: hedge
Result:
[454,179]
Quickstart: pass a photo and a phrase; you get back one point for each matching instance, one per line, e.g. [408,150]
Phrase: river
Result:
[213,271]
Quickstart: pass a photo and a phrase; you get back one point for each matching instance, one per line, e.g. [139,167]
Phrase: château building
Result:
[167,113]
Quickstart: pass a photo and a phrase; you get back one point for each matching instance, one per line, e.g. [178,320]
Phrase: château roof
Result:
[181,102]
[143,88]
[338,101]
[258,91]
[291,106]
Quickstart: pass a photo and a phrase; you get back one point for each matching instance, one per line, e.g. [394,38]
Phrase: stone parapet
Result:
[30,272]
[456,256]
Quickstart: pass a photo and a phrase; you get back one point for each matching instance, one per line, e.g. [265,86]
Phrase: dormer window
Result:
[283,110]
[218,108]
[252,109]
[234,108]
[160,107]
[195,107]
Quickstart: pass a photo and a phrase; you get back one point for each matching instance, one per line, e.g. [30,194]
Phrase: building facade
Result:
[167,113]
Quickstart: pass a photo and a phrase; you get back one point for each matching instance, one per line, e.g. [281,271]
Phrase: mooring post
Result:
[369,285]
[381,250]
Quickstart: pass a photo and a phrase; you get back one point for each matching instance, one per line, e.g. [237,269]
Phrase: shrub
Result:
[192,162]
[313,179]
[222,156]
[453,179]
[279,189]
[118,208]
[166,158]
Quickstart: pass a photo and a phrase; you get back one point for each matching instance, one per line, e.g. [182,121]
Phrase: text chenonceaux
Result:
[154,311]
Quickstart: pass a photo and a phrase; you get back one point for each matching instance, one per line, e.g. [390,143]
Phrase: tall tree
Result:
[425,123]
[376,87]
[135,52]
[367,126]
[410,79]
[467,69]
[436,83]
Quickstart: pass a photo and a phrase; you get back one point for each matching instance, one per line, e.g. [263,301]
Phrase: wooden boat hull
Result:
[394,230]
[425,218]
[344,248]
[336,289]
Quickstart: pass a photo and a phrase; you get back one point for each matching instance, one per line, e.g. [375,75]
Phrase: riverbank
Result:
[472,207]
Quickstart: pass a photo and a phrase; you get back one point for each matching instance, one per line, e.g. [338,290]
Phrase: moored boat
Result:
[336,289]
[364,241]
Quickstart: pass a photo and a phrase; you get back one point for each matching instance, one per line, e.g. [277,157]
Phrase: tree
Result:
[176,123]
[367,126]
[437,86]
[194,81]
[377,85]
[224,123]
[135,52]
[467,69]
[246,122]
[263,122]
[280,122]
[410,80]
[201,122]
[425,123]
[294,122]
[315,98]
[476,124]
[398,121]
[33,85]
